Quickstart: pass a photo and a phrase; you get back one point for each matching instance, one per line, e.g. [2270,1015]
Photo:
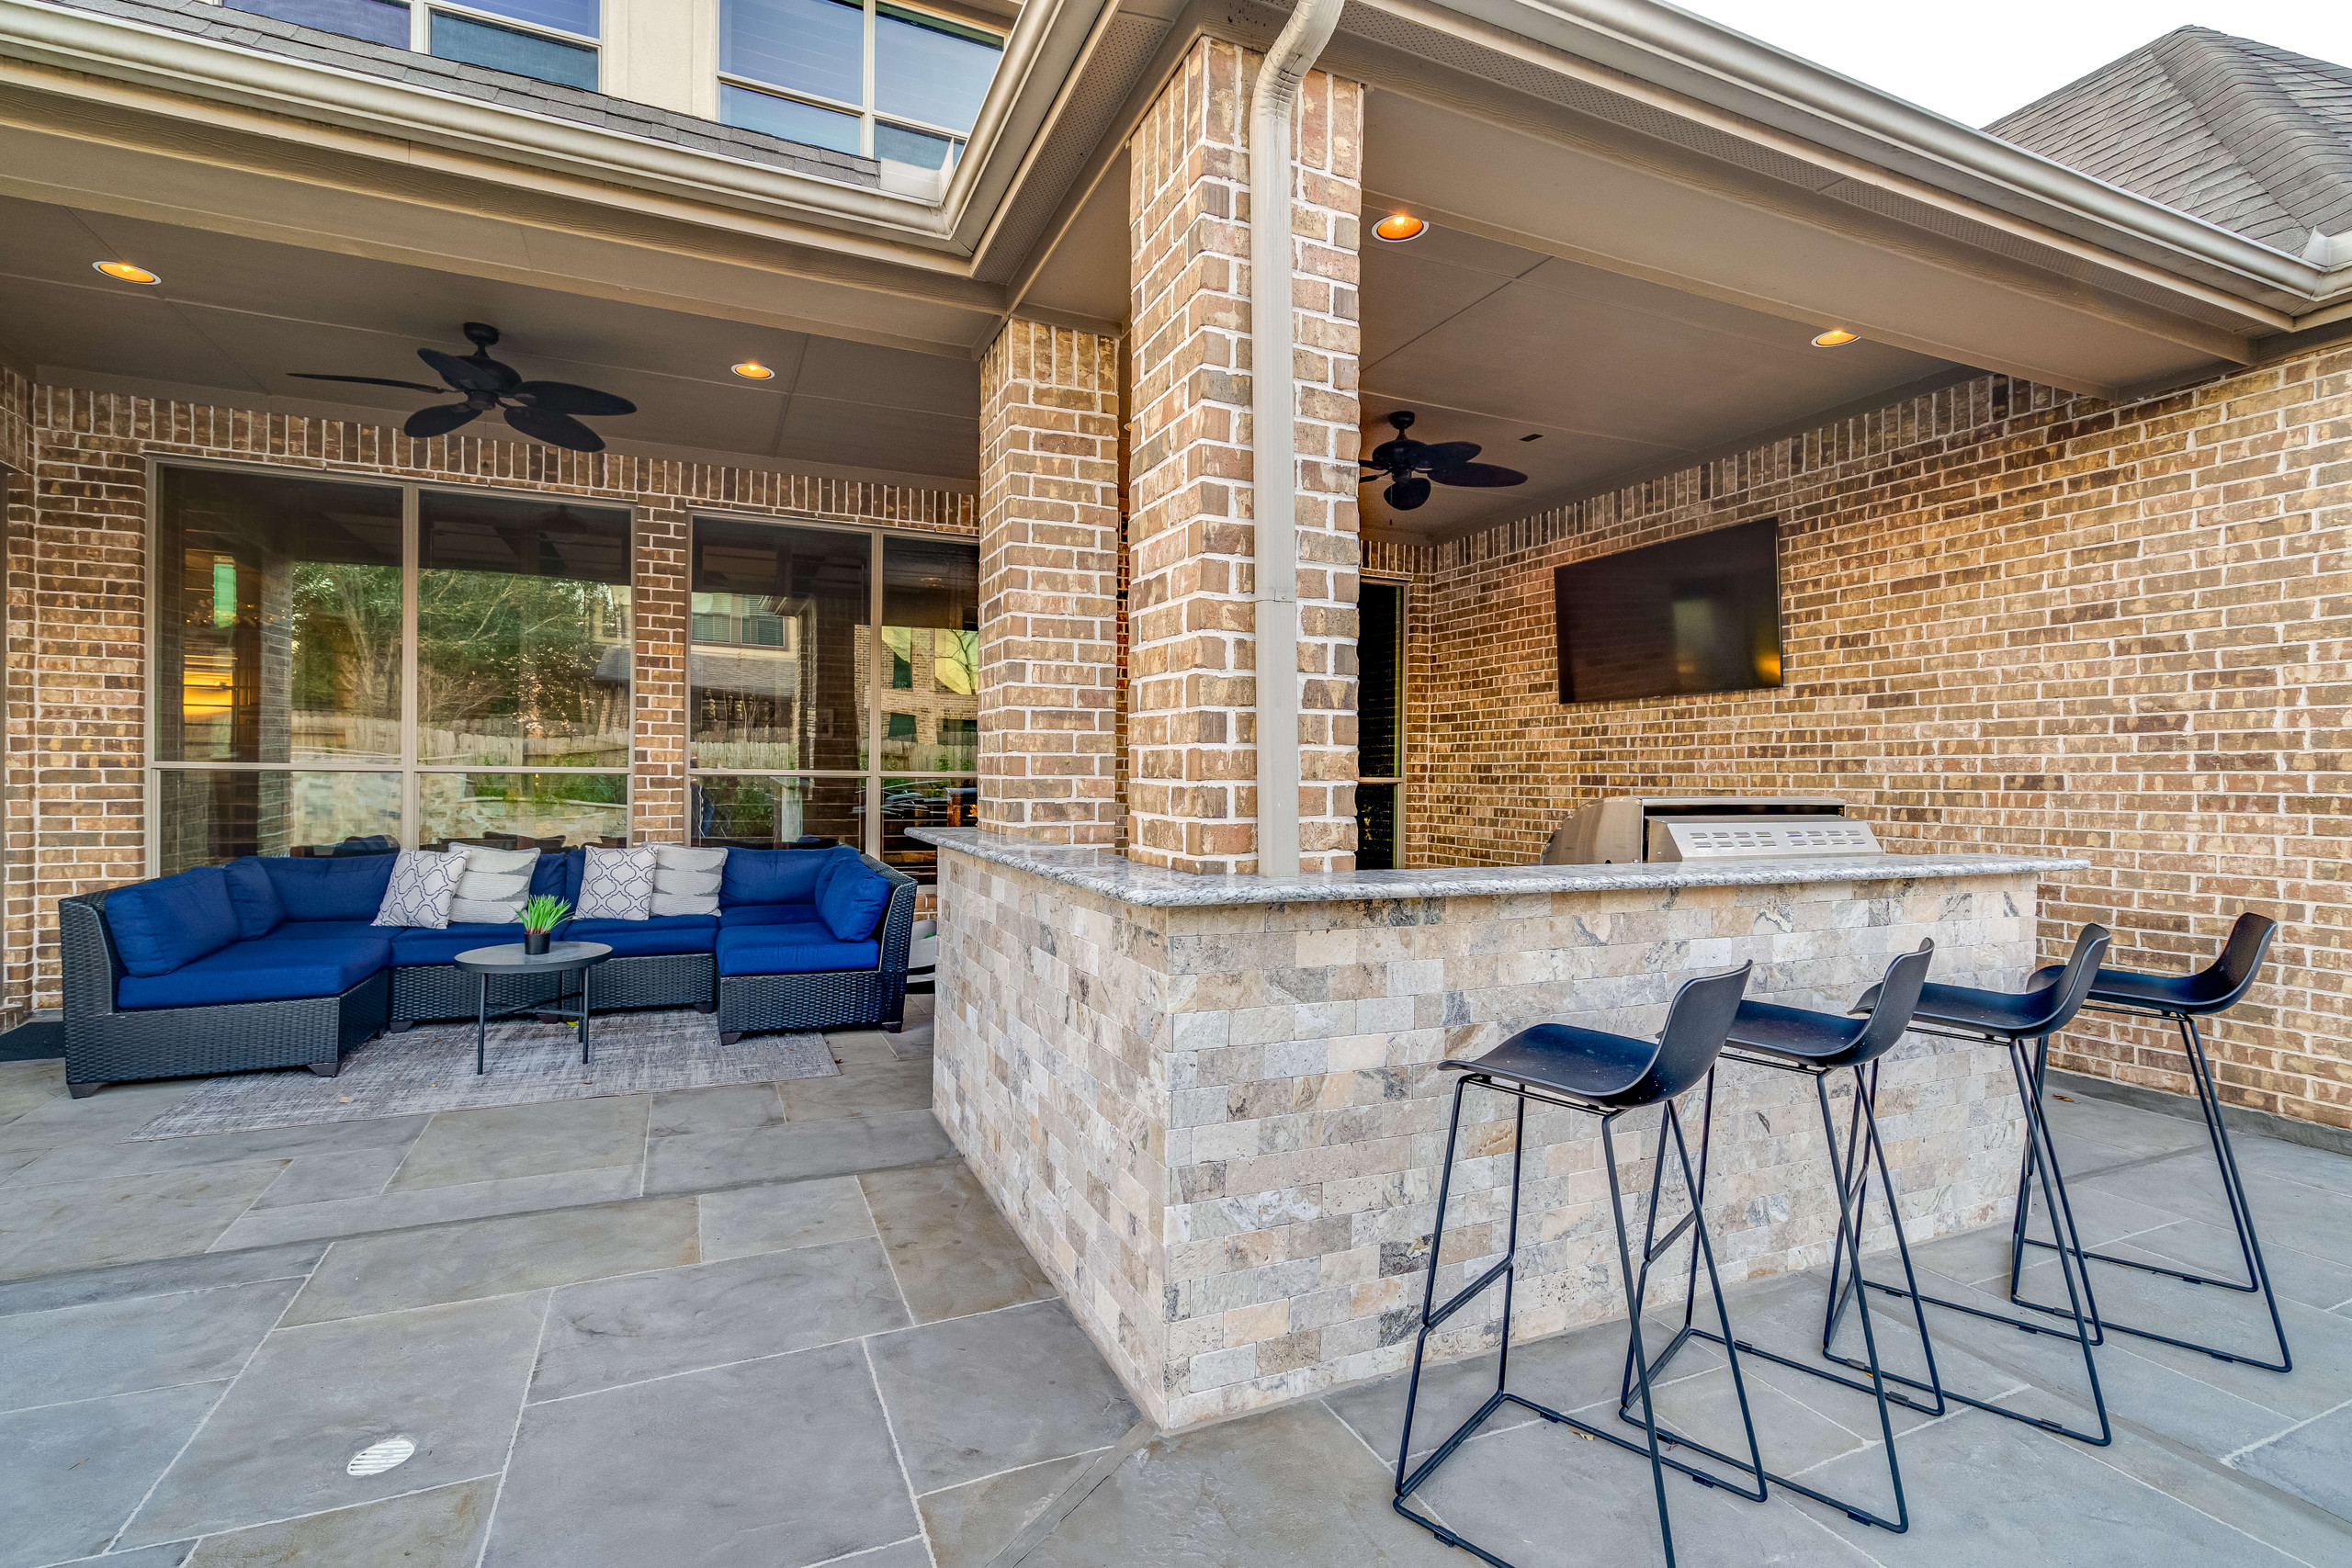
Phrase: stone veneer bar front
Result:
[1211,1105]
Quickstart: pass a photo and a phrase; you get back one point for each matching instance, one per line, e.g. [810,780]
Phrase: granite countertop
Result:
[1114,877]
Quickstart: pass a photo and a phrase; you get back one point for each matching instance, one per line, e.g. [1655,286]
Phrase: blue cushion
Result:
[790,950]
[255,899]
[325,888]
[553,875]
[774,876]
[329,930]
[259,972]
[772,915]
[658,934]
[161,925]
[851,895]
[422,945]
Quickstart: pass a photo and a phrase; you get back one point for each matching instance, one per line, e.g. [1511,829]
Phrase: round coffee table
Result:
[560,958]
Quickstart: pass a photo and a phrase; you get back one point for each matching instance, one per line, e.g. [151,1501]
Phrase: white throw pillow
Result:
[423,885]
[496,885]
[686,882]
[616,885]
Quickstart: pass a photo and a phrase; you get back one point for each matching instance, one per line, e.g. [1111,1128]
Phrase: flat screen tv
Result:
[1687,616]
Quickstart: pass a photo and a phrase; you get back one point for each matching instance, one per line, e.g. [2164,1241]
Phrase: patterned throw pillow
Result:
[422,886]
[686,882]
[615,884]
[494,887]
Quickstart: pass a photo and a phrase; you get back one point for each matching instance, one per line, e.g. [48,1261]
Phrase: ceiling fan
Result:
[1413,466]
[540,410]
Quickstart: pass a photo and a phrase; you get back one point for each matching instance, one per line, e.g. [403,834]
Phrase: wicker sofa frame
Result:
[836,999]
[107,1044]
[104,1044]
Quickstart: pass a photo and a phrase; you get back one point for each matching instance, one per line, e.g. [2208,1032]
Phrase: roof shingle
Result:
[2254,139]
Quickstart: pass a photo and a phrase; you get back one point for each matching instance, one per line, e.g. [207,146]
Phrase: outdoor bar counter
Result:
[1211,1105]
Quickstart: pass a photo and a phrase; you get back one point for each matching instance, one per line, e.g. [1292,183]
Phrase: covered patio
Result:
[1305,550]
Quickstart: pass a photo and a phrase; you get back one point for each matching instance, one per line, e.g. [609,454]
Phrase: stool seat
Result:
[1796,1034]
[1589,1064]
[2158,993]
[2016,1015]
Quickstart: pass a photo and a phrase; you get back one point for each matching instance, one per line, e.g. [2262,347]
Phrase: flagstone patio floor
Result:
[779,1326]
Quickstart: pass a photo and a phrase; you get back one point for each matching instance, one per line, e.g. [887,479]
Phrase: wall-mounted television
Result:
[1691,615]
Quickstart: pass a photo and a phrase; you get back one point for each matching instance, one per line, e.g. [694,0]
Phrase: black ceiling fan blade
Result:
[1447,454]
[463,374]
[438,420]
[367,381]
[1406,494]
[562,397]
[555,429]
[1478,475]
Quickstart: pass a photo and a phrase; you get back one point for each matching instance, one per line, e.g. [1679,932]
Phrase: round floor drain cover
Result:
[377,1458]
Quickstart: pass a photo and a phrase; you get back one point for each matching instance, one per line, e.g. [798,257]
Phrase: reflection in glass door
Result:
[1380,726]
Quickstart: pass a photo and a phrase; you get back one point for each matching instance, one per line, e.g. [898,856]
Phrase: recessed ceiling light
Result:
[1398,227]
[124,271]
[752,370]
[1835,337]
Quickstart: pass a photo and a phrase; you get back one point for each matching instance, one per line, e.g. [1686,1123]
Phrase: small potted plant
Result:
[540,917]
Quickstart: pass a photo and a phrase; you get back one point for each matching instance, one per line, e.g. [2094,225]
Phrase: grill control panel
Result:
[1751,838]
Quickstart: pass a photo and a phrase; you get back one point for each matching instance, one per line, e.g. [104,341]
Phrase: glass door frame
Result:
[410,770]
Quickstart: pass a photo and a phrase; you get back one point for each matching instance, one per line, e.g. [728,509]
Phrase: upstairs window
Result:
[554,40]
[880,80]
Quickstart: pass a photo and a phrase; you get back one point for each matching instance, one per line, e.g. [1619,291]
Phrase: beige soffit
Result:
[1050,35]
[1695,59]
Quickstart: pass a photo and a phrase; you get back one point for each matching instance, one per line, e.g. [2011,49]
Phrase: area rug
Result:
[431,1068]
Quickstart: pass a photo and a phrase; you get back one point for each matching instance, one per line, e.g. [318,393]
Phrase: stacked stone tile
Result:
[2014,618]
[1049,585]
[1193,669]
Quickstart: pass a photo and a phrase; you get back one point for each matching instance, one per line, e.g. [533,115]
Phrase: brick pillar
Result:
[658,604]
[1192,665]
[1049,562]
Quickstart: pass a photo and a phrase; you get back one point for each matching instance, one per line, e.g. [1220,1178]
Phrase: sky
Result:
[1976,62]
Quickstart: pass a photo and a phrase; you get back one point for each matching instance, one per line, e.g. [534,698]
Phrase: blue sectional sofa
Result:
[272,962]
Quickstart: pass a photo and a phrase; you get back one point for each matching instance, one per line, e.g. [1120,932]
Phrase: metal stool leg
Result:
[1848,1231]
[2041,1162]
[1862,1145]
[2234,1192]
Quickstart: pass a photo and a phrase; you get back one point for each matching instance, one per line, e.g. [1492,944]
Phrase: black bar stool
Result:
[1817,1044]
[2011,1018]
[2183,998]
[1605,1075]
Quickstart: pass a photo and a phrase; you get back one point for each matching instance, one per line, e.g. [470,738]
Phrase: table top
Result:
[511,958]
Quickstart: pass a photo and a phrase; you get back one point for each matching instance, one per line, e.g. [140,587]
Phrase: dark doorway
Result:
[1380,727]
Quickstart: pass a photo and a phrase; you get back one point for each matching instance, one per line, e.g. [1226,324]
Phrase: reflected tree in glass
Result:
[278,619]
[523,633]
[931,620]
[780,647]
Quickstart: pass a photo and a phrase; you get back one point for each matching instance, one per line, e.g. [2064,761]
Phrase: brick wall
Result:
[74,787]
[1192,668]
[2013,618]
[1049,585]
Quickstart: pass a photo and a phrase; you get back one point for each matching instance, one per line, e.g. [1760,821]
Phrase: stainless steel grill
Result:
[1708,827]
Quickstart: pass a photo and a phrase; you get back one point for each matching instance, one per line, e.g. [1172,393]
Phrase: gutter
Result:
[1274,402]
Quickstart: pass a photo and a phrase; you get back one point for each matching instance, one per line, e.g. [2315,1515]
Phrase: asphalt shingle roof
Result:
[2254,139]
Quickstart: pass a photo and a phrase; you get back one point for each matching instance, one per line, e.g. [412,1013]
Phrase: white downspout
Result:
[1273,409]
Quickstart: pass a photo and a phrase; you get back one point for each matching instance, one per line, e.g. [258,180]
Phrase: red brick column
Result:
[658,606]
[1049,564]
[1192,665]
